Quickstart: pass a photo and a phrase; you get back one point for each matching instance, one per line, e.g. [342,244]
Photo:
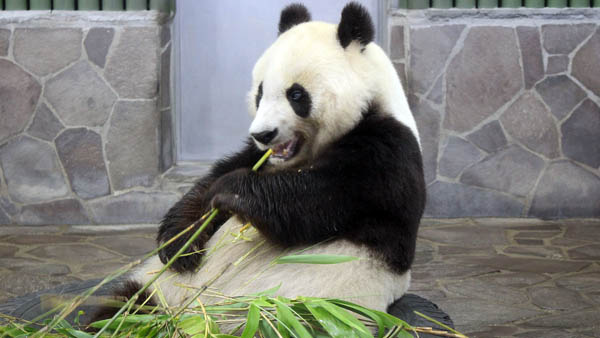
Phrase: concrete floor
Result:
[495,277]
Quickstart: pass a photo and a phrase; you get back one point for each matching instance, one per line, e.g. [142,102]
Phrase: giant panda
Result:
[345,178]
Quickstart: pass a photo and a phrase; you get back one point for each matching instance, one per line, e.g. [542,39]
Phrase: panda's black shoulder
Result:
[381,132]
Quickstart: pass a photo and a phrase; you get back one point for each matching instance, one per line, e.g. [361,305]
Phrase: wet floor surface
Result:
[495,277]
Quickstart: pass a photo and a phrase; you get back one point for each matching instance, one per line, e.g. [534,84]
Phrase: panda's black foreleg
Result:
[193,205]
[183,214]
[289,207]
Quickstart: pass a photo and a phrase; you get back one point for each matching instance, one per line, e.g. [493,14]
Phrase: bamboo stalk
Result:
[80,299]
[440,333]
[212,215]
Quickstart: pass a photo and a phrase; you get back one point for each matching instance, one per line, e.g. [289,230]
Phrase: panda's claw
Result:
[190,259]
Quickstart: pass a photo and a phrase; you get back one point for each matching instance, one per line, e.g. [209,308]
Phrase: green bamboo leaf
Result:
[14,332]
[154,331]
[269,292]
[347,318]
[192,325]
[128,321]
[263,302]
[63,324]
[438,323]
[266,330]
[390,320]
[283,330]
[144,331]
[315,259]
[252,321]
[404,334]
[363,311]
[78,334]
[213,327]
[331,324]
[222,335]
[287,316]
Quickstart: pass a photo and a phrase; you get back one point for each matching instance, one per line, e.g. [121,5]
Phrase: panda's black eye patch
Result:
[296,95]
[299,100]
[259,94]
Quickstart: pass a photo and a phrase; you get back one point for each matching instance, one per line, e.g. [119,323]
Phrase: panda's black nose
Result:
[265,137]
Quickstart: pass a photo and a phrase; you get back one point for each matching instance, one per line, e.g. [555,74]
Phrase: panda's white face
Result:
[306,92]
[312,85]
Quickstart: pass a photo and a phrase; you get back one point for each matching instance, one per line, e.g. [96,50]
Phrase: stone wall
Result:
[507,104]
[84,117]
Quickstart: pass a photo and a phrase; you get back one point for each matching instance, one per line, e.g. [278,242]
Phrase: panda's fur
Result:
[351,182]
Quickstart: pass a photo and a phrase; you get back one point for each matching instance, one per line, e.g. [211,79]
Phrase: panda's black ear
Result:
[293,15]
[355,25]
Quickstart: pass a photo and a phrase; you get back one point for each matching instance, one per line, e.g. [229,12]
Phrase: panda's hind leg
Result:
[121,294]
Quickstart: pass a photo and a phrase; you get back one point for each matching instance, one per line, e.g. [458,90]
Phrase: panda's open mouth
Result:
[286,150]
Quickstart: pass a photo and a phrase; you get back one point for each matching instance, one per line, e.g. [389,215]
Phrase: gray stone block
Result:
[484,290]
[46,270]
[566,190]
[4,41]
[436,94]
[165,35]
[8,206]
[397,42]
[68,211]
[489,137]
[80,151]
[581,134]
[46,50]
[531,54]
[562,39]
[429,50]
[74,254]
[566,320]
[79,96]
[586,64]
[428,124]
[4,218]
[127,245]
[45,125]
[19,94]
[585,282]
[561,94]
[475,314]
[132,69]
[165,79]
[132,208]
[132,147]
[32,171]
[529,121]
[512,170]
[166,140]
[457,155]
[557,64]
[482,77]
[458,200]
[97,43]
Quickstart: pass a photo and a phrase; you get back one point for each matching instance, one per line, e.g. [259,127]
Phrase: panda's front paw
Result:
[188,261]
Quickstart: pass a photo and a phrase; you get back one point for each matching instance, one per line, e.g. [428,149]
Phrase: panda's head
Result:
[308,87]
